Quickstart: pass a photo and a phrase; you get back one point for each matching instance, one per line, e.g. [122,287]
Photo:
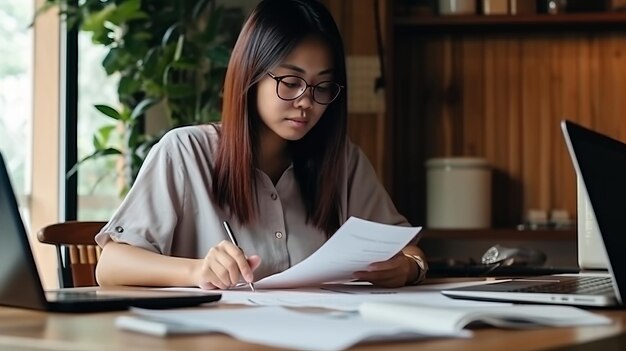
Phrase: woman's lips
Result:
[298,121]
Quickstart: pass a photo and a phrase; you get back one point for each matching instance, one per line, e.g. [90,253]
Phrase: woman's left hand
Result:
[392,273]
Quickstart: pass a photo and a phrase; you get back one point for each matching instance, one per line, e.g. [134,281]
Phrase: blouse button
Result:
[274,196]
[119,229]
[278,235]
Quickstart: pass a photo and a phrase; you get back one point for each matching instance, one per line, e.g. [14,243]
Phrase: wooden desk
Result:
[32,330]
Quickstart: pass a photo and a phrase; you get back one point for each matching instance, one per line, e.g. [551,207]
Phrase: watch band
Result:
[422,268]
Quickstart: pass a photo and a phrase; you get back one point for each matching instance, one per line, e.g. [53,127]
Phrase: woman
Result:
[279,168]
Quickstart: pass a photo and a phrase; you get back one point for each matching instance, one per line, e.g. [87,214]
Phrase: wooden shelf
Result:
[581,21]
[500,234]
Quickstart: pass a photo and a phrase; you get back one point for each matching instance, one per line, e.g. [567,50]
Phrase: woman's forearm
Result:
[122,264]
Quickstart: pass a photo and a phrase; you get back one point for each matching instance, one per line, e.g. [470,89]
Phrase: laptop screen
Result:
[601,162]
[591,253]
[19,279]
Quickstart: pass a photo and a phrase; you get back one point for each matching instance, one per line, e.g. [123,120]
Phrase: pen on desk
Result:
[234,241]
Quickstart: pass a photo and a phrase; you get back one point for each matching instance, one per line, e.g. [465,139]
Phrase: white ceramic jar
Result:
[457,7]
[458,193]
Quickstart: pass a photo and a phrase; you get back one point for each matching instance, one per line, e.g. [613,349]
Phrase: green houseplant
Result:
[167,53]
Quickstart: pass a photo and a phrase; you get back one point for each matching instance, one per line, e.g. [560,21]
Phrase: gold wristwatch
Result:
[422,268]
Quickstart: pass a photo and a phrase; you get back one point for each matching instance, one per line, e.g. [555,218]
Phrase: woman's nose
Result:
[306,100]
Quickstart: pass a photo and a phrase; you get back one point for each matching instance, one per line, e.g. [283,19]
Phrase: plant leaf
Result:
[102,136]
[111,61]
[179,47]
[141,108]
[168,33]
[128,86]
[96,154]
[95,21]
[199,9]
[108,111]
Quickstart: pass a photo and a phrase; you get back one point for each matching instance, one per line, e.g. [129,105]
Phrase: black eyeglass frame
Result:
[279,79]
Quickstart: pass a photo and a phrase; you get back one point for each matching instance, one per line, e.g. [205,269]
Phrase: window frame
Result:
[44,201]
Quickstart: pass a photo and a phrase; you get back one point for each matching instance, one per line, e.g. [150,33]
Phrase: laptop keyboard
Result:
[581,285]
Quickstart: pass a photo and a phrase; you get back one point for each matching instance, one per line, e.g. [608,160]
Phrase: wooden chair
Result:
[77,251]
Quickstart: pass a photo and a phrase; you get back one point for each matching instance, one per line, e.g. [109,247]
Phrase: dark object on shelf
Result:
[552,6]
[513,256]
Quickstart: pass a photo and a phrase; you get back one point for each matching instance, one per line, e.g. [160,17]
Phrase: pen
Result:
[234,241]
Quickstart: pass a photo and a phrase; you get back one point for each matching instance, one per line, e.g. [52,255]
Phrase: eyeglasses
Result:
[290,87]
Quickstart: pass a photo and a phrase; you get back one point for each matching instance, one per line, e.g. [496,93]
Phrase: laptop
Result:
[600,162]
[20,285]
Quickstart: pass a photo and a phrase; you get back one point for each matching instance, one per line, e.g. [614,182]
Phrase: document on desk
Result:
[348,297]
[451,320]
[274,326]
[355,245]
[337,330]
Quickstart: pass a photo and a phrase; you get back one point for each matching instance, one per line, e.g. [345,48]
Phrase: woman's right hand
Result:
[224,266]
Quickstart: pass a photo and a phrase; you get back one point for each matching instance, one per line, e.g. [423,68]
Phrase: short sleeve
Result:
[149,213]
[366,197]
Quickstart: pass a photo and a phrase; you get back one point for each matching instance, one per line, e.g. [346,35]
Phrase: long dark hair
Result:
[271,32]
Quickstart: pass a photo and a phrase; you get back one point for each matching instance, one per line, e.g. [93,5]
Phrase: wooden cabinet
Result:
[497,87]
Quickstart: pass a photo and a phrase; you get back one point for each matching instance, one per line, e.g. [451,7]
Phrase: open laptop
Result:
[20,285]
[600,162]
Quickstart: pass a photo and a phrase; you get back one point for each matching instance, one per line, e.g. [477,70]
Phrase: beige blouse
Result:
[170,210]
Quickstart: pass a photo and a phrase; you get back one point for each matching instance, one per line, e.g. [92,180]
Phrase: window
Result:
[16,94]
[97,184]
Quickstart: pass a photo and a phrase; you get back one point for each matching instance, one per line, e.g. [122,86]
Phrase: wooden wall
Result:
[501,96]
[355,19]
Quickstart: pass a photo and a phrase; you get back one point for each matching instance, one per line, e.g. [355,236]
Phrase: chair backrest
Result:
[77,251]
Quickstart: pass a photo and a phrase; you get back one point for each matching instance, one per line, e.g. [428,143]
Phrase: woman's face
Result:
[312,61]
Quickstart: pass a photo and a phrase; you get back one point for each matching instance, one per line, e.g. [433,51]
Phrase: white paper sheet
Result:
[383,314]
[451,320]
[352,248]
[335,330]
[348,297]
[274,326]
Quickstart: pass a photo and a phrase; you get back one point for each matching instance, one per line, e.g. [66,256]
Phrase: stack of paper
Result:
[281,327]
[274,326]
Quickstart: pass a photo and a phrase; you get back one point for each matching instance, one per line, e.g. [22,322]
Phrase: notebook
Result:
[20,285]
[600,161]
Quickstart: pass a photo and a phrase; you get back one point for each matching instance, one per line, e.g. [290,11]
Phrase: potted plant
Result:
[171,54]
